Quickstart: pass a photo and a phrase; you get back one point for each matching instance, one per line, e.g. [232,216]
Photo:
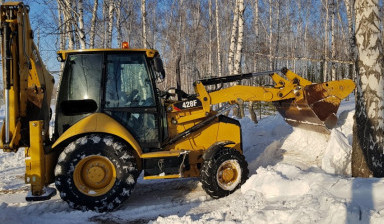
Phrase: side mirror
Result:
[60,57]
[158,67]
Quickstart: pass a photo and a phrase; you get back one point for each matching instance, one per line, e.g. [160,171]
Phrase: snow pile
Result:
[337,156]
[277,142]
[12,167]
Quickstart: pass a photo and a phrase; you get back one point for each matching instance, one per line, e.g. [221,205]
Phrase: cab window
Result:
[128,82]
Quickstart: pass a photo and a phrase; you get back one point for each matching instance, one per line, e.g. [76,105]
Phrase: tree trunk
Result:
[233,38]
[93,25]
[252,108]
[326,39]
[210,38]
[105,18]
[239,49]
[144,23]
[351,34]
[110,24]
[333,41]
[240,33]
[275,61]
[270,36]
[256,28]
[81,24]
[118,22]
[368,134]
[218,40]
[67,6]
[61,25]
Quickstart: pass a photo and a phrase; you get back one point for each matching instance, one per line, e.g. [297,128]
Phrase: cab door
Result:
[130,98]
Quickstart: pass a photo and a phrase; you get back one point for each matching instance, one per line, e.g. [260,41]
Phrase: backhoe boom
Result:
[28,91]
[28,85]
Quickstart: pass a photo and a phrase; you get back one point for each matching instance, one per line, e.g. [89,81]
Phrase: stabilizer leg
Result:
[35,165]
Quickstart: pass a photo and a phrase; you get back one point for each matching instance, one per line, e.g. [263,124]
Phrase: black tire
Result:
[119,158]
[210,175]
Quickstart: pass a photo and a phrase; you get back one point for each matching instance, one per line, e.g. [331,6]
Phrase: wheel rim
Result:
[229,174]
[94,175]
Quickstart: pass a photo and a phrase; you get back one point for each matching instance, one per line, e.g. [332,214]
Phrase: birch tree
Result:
[81,32]
[368,130]
[144,25]
[118,22]
[93,25]
[61,25]
[333,41]
[110,23]
[233,38]
[104,23]
[218,39]
[326,39]
[256,28]
[351,35]
[270,36]
[252,105]
[210,37]
[239,47]
[67,6]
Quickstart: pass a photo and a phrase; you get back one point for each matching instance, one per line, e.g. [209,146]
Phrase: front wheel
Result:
[96,172]
[225,172]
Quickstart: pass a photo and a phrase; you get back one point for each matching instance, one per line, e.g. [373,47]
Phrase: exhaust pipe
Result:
[7,137]
[7,72]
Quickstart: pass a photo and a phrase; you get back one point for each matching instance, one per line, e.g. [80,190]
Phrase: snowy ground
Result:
[296,176]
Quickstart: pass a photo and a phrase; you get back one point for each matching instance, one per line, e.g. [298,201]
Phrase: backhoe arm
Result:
[27,84]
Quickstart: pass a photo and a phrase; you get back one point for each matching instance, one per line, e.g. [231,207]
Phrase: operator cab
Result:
[120,83]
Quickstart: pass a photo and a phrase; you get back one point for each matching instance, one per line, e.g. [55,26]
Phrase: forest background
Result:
[205,38]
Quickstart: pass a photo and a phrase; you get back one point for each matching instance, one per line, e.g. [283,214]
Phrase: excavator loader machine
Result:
[112,123]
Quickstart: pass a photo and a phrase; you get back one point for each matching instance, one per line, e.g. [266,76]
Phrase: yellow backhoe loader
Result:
[112,123]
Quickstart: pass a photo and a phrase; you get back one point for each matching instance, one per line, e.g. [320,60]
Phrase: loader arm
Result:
[27,84]
[301,102]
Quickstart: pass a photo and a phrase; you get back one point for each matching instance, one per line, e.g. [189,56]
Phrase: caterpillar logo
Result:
[188,104]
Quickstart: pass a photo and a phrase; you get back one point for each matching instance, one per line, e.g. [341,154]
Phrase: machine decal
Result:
[188,104]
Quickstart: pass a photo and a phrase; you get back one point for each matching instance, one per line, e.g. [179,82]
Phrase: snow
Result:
[296,176]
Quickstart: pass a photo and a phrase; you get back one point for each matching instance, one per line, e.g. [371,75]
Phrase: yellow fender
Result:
[99,123]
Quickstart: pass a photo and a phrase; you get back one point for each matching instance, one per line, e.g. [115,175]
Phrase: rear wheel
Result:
[225,172]
[96,172]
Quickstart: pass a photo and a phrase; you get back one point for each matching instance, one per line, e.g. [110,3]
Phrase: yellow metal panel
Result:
[161,154]
[229,131]
[12,3]
[340,88]
[204,97]
[99,123]
[248,93]
[292,76]
[149,52]
[34,159]
[162,177]
[190,117]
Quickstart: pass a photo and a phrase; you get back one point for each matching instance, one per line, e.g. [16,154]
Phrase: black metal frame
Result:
[234,78]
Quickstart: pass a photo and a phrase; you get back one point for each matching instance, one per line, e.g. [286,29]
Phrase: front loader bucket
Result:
[316,109]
